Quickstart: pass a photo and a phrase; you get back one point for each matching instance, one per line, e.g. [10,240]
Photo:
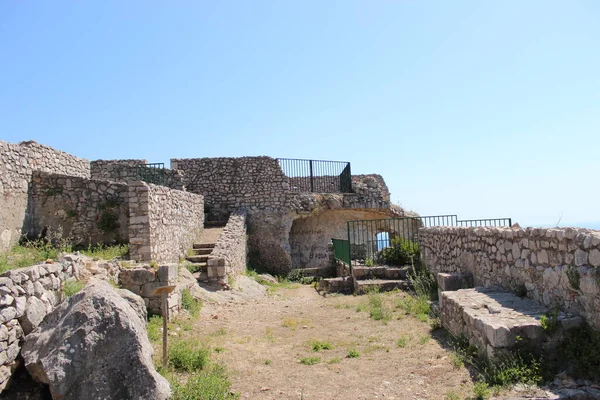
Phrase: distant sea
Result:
[589,225]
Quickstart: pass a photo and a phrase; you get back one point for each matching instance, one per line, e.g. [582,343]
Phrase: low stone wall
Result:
[557,267]
[28,294]
[17,162]
[83,211]
[164,222]
[144,280]
[229,255]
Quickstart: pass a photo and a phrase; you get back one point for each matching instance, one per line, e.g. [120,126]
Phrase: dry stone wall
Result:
[164,222]
[128,171]
[17,162]
[144,280]
[557,266]
[229,255]
[83,211]
[28,294]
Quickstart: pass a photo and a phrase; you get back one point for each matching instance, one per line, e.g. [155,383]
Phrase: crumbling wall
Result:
[17,162]
[557,266]
[83,211]
[229,255]
[164,222]
[144,280]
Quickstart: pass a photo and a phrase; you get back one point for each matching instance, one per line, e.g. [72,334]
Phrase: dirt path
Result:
[262,341]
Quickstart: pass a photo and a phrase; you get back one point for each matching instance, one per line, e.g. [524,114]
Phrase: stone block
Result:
[168,274]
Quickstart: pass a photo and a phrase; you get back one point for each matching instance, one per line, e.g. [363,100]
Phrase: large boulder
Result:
[95,346]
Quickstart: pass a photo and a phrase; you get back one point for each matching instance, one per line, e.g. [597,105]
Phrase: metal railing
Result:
[152,173]
[317,176]
[368,238]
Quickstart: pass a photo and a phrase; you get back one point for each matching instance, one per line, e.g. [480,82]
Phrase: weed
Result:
[574,278]
[269,335]
[71,213]
[103,252]
[267,362]
[424,339]
[451,396]
[189,303]
[310,360]
[352,353]
[71,287]
[31,252]
[402,342]
[154,328]
[219,332]
[210,384]
[318,346]
[369,262]
[219,349]
[153,264]
[457,361]
[230,280]
[295,275]
[293,323]
[580,350]
[481,391]
[188,355]
[549,322]
[418,307]
[423,283]
[334,360]
[377,309]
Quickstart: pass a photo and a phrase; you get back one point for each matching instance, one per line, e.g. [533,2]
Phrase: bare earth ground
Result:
[261,342]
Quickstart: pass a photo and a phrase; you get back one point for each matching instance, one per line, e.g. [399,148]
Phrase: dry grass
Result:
[265,341]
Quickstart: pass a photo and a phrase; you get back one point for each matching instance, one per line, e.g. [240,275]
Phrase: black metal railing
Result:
[367,239]
[152,173]
[317,176]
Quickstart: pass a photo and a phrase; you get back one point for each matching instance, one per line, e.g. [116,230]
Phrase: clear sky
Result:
[476,108]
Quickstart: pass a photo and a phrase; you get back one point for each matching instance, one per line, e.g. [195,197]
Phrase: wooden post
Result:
[164,291]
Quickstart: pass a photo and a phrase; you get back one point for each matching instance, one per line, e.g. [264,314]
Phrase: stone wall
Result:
[144,280]
[230,183]
[128,171]
[28,294]
[83,211]
[558,267]
[17,162]
[164,222]
[229,255]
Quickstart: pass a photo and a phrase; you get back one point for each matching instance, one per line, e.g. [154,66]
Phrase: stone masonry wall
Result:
[28,294]
[164,222]
[127,171]
[144,280]
[17,162]
[229,255]
[557,266]
[84,211]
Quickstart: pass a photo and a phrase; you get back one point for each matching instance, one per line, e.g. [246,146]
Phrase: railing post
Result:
[312,182]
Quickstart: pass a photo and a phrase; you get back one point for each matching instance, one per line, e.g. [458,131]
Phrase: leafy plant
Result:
[188,355]
[401,252]
[318,346]
[549,322]
[353,353]
[482,391]
[210,384]
[402,342]
[295,275]
[574,277]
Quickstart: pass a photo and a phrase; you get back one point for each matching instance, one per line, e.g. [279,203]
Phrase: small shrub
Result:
[352,353]
[574,278]
[369,262]
[401,252]
[189,356]
[549,322]
[452,396]
[310,360]
[318,346]
[418,307]
[295,275]
[377,309]
[457,361]
[580,351]
[71,287]
[189,303]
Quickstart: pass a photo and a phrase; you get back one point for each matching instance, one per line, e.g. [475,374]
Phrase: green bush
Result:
[401,252]
[189,356]
[295,275]
[318,346]
[580,350]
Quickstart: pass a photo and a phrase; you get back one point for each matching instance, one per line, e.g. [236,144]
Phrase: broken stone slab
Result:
[493,319]
[94,346]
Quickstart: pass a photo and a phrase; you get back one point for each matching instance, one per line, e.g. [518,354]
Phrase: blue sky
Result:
[483,109]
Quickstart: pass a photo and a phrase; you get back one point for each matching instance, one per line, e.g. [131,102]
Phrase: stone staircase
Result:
[199,260]
[381,278]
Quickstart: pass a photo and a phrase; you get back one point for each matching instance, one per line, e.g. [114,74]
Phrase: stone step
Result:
[383,285]
[497,321]
[204,245]
[337,285]
[380,272]
[322,272]
[197,259]
[201,276]
[202,252]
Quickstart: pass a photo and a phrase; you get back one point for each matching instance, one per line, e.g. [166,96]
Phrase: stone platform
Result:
[495,320]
